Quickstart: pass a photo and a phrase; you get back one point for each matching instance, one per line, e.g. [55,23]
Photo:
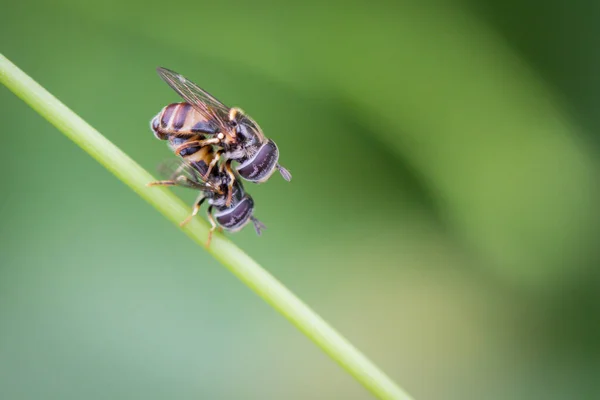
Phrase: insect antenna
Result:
[258,226]
[287,175]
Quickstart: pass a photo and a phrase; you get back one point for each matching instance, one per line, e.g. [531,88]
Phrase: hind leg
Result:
[195,210]
[213,225]
[176,180]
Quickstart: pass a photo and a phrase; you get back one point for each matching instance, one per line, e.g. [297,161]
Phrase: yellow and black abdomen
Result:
[199,157]
[180,120]
[180,123]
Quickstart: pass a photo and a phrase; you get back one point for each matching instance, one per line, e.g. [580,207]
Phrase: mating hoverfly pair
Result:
[208,137]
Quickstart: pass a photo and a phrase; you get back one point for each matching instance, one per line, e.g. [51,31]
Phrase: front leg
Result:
[213,162]
[196,143]
[232,178]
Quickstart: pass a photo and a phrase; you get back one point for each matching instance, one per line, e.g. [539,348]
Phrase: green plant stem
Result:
[238,262]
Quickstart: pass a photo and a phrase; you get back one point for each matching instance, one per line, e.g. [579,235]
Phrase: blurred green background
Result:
[443,213]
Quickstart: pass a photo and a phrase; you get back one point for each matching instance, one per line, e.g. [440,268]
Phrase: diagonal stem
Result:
[227,253]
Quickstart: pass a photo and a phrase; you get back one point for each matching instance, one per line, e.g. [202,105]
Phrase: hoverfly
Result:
[232,217]
[204,121]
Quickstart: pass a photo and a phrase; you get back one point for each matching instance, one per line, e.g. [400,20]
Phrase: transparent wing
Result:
[202,101]
[184,175]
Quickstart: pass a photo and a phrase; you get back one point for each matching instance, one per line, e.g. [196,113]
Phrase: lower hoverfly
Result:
[204,121]
[232,217]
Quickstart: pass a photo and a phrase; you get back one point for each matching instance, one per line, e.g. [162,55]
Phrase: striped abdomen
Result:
[181,120]
[199,157]
[179,123]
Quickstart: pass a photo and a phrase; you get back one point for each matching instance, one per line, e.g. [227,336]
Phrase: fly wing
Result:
[184,175]
[202,101]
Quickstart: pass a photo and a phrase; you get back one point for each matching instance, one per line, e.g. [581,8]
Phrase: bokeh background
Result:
[443,213]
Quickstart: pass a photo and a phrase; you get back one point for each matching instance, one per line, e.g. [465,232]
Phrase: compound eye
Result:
[234,218]
[260,167]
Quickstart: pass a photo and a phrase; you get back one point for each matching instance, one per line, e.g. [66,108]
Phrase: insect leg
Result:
[176,180]
[214,161]
[196,143]
[161,183]
[213,225]
[199,200]
[231,175]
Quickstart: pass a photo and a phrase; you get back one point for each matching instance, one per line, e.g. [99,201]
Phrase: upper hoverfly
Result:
[204,121]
